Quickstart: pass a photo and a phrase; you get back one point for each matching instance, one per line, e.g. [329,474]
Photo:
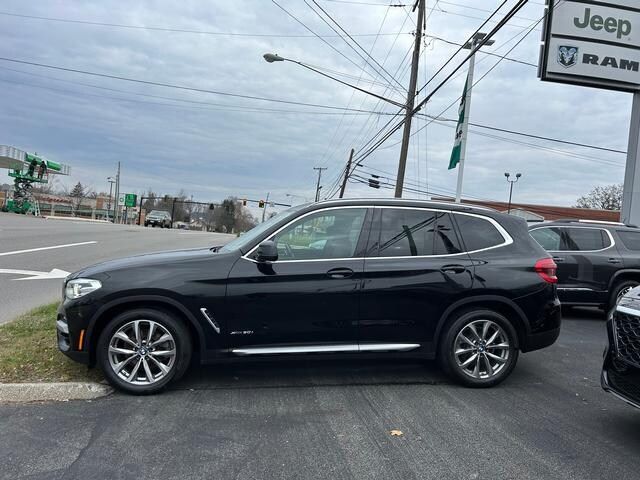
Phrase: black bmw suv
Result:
[424,280]
[598,262]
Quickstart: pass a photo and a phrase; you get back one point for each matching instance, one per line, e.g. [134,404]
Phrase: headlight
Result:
[79,287]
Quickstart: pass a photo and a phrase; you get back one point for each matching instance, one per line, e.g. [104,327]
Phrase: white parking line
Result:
[47,248]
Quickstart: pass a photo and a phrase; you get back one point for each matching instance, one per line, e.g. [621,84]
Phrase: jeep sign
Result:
[592,43]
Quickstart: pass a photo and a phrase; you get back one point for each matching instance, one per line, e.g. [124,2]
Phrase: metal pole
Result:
[630,213]
[116,210]
[140,210]
[510,194]
[319,169]
[264,210]
[465,126]
[347,173]
[109,203]
[173,209]
[411,95]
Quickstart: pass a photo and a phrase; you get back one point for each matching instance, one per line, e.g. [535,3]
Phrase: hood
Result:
[145,260]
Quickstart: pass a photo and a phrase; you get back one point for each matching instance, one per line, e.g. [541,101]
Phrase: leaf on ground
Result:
[396,433]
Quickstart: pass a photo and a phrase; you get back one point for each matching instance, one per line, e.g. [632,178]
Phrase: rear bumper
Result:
[544,315]
[536,341]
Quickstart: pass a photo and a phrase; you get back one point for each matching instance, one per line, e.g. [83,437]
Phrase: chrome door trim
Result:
[353,347]
[576,289]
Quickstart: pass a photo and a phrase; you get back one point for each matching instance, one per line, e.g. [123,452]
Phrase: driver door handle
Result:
[340,273]
[453,269]
[558,259]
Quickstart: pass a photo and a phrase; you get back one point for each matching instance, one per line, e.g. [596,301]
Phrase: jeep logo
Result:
[620,27]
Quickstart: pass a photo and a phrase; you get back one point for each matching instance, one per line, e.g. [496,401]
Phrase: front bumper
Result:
[71,329]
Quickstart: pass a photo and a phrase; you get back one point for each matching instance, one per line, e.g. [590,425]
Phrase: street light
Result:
[111,181]
[511,182]
[272,57]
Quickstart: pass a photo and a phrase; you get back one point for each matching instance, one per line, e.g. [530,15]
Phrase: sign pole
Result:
[631,194]
[465,127]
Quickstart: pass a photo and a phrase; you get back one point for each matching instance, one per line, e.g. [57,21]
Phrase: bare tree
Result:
[608,197]
[77,195]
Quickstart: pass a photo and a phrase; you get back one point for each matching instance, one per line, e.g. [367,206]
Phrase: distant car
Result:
[621,369]
[598,262]
[425,280]
[158,218]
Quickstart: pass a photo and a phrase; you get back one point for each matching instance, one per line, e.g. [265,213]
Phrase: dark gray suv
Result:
[598,262]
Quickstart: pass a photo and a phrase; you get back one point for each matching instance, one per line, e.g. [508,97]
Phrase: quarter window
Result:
[478,233]
[411,233]
[324,235]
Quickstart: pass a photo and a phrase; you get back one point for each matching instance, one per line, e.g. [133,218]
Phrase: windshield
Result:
[158,212]
[246,240]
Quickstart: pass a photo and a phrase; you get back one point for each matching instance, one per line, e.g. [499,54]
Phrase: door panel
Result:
[311,294]
[407,288]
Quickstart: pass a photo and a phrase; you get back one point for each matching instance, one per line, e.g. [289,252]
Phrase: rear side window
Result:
[548,238]
[584,239]
[478,233]
[631,240]
[410,233]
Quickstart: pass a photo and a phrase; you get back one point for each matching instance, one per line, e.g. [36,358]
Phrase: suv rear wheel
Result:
[142,350]
[479,348]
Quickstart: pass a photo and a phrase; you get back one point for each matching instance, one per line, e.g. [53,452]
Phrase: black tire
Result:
[619,288]
[181,341]
[447,348]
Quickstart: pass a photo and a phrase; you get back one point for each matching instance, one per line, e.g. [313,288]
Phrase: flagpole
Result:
[465,127]
[466,105]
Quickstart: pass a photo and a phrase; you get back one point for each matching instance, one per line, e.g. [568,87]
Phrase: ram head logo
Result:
[567,56]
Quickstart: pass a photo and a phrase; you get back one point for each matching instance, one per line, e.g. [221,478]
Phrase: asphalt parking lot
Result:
[36,245]
[549,420]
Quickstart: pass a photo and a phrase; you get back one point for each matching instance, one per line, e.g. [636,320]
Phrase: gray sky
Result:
[213,146]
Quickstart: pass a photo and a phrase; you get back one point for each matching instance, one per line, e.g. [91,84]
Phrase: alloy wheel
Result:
[142,352]
[623,292]
[481,349]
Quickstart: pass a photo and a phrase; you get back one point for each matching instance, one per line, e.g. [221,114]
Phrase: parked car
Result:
[621,369]
[598,262]
[424,280]
[158,218]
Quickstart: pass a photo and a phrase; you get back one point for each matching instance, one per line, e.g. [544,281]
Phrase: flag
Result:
[457,144]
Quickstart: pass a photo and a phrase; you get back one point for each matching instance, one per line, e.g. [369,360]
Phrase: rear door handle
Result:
[453,269]
[340,273]
[558,259]
[614,260]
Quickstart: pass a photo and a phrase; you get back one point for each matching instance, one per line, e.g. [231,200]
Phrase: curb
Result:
[59,392]
[74,219]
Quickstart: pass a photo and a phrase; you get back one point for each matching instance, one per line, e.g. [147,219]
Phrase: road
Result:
[549,420]
[18,233]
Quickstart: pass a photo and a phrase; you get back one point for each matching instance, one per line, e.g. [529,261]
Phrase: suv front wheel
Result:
[142,350]
[479,348]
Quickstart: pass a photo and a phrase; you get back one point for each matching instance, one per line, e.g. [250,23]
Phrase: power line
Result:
[170,85]
[180,30]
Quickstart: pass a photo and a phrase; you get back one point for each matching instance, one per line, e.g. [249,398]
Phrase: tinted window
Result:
[631,240]
[410,233]
[548,238]
[323,235]
[478,233]
[581,239]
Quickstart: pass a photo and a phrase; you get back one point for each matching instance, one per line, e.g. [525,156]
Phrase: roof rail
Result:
[600,222]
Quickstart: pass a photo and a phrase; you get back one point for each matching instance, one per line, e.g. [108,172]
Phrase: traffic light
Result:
[261,204]
[244,202]
[373,182]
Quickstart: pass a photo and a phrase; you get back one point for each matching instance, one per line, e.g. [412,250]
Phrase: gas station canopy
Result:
[12,158]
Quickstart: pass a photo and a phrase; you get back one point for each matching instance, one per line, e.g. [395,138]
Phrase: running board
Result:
[376,347]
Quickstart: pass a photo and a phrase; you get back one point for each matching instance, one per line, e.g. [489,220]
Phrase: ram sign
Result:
[592,43]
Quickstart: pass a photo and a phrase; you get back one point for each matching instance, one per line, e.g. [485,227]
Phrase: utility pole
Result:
[411,96]
[347,172]
[116,209]
[264,210]
[319,169]
[111,182]
[478,37]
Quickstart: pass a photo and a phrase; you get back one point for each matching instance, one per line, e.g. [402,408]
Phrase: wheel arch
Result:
[158,302]
[502,305]
[623,275]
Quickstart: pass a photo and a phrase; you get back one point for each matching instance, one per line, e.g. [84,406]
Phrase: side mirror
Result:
[267,252]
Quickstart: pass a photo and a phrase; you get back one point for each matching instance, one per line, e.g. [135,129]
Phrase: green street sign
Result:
[130,200]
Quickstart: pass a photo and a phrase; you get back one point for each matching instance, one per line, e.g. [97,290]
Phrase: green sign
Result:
[130,200]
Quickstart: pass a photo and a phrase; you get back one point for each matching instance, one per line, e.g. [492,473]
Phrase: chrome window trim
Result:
[611,239]
[348,348]
[508,240]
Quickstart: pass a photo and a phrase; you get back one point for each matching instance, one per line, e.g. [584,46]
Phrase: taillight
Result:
[547,268]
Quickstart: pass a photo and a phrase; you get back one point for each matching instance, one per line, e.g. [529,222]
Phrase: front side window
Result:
[584,239]
[478,233]
[323,235]
[548,238]
[411,233]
